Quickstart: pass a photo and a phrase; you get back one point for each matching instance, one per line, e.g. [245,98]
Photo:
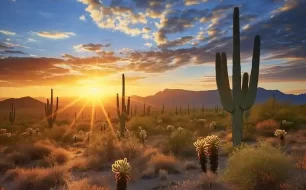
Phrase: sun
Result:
[91,92]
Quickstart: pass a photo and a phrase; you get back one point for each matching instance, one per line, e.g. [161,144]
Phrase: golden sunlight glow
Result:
[90,92]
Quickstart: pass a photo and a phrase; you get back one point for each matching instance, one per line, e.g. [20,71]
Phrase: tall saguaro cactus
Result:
[50,114]
[241,98]
[12,115]
[125,109]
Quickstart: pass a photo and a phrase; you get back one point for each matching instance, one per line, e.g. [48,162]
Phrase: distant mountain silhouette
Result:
[24,102]
[176,97]
[168,97]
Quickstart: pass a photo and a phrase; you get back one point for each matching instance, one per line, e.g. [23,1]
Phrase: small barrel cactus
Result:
[170,128]
[122,169]
[118,134]
[200,145]
[143,135]
[281,134]
[180,129]
[211,149]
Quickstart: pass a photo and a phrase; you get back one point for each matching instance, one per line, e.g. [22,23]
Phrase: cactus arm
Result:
[245,85]
[128,106]
[236,78]
[51,106]
[123,94]
[118,110]
[225,95]
[251,95]
[55,111]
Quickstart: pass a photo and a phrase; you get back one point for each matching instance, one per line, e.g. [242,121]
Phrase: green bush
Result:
[179,140]
[259,167]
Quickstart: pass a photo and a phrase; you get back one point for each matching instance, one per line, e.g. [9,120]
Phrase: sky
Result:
[82,47]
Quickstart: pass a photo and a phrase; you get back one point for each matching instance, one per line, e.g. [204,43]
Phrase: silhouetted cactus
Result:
[135,110]
[50,114]
[188,110]
[123,115]
[12,115]
[144,109]
[122,169]
[200,145]
[241,98]
[163,109]
[148,110]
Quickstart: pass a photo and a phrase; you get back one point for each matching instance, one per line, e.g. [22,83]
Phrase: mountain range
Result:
[168,97]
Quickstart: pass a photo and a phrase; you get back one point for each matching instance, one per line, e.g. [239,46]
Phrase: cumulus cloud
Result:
[82,18]
[194,2]
[90,47]
[11,52]
[55,35]
[8,33]
[115,17]
[148,44]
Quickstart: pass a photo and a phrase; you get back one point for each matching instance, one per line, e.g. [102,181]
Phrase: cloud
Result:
[148,44]
[11,52]
[8,33]
[90,47]
[177,42]
[32,71]
[194,2]
[55,35]
[82,18]
[118,18]
[31,40]
[292,71]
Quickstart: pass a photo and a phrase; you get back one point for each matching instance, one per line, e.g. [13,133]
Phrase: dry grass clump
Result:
[37,178]
[165,162]
[258,167]
[267,127]
[83,184]
[58,156]
[189,165]
[78,164]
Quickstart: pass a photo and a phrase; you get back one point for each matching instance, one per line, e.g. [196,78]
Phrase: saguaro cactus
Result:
[241,98]
[12,115]
[163,109]
[125,109]
[144,109]
[50,114]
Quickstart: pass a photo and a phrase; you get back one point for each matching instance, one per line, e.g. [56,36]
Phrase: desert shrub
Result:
[226,148]
[179,140]
[58,133]
[249,131]
[301,179]
[267,110]
[189,165]
[37,178]
[147,123]
[83,184]
[84,126]
[267,127]
[38,150]
[58,156]
[78,164]
[100,150]
[261,166]
[6,164]
[164,162]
